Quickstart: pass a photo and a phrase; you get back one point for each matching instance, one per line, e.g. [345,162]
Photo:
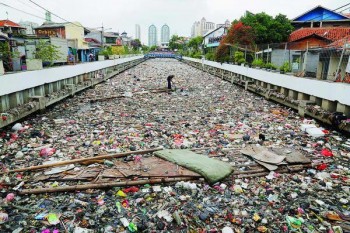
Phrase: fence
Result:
[313,59]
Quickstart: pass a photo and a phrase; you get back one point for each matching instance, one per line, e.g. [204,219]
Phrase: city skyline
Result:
[179,15]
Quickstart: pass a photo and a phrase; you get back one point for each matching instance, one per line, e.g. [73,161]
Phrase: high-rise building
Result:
[196,30]
[227,24]
[165,36]
[137,32]
[200,28]
[152,35]
[206,26]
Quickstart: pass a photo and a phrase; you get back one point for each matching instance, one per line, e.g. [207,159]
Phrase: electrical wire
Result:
[26,4]
[55,14]
[330,14]
[1,3]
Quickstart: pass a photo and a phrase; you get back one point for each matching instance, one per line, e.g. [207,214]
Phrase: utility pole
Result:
[340,61]
[102,36]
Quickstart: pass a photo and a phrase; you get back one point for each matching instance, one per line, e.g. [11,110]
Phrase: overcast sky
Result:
[122,15]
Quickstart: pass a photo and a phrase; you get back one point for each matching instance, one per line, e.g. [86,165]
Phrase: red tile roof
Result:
[9,23]
[92,40]
[339,43]
[330,33]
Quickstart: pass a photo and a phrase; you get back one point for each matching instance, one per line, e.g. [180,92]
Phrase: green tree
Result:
[6,55]
[238,35]
[109,51]
[210,56]
[126,50]
[46,52]
[145,49]
[239,57]
[195,43]
[176,42]
[136,44]
[153,48]
[268,29]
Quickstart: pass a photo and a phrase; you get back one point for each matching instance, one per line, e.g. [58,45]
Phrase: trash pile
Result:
[102,161]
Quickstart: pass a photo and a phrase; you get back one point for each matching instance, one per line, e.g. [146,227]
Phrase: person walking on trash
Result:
[170,81]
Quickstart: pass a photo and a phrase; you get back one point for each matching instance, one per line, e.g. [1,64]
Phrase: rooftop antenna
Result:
[7,15]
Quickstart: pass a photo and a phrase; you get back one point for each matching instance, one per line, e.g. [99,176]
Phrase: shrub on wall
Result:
[258,63]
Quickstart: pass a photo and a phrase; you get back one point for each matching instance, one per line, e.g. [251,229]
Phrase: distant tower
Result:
[165,35]
[152,35]
[137,32]
[203,25]
[227,23]
[48,16]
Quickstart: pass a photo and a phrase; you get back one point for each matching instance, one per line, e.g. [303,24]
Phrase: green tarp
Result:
[213,170]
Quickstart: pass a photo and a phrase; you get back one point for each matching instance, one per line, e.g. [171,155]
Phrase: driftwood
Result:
[83,160]
[259,172]
[103,185]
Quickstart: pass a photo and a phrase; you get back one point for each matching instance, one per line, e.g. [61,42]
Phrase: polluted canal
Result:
[131,156]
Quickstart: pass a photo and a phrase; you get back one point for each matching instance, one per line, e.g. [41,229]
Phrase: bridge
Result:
[163,55]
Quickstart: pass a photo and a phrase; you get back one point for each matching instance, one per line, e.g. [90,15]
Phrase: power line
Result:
[21,11]
[55,14]
[342,6]
[26,4]
[329,14]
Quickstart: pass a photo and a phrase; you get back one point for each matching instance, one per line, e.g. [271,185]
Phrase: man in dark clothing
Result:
[170,80]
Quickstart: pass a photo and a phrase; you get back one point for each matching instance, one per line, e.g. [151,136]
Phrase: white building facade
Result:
[200,28]
[29,27]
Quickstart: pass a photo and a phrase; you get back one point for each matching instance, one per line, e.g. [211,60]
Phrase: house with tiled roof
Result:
[340,44]
[317,30]
[320,50]
[8,26]
[316,37]
[12,29]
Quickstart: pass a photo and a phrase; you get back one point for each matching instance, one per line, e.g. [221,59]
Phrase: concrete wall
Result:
[300,94]
[14,82]
[34,64]
[312,87]
[312,63]
[279,56]
[2,70]
[26,92]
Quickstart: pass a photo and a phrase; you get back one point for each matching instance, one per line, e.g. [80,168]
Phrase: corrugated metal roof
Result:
[51,25]
[320,13]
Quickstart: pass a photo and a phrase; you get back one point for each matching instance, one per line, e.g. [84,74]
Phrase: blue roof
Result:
[320,13]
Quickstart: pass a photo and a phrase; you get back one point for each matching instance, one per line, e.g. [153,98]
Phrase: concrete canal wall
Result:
[23,93]
[294,92]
